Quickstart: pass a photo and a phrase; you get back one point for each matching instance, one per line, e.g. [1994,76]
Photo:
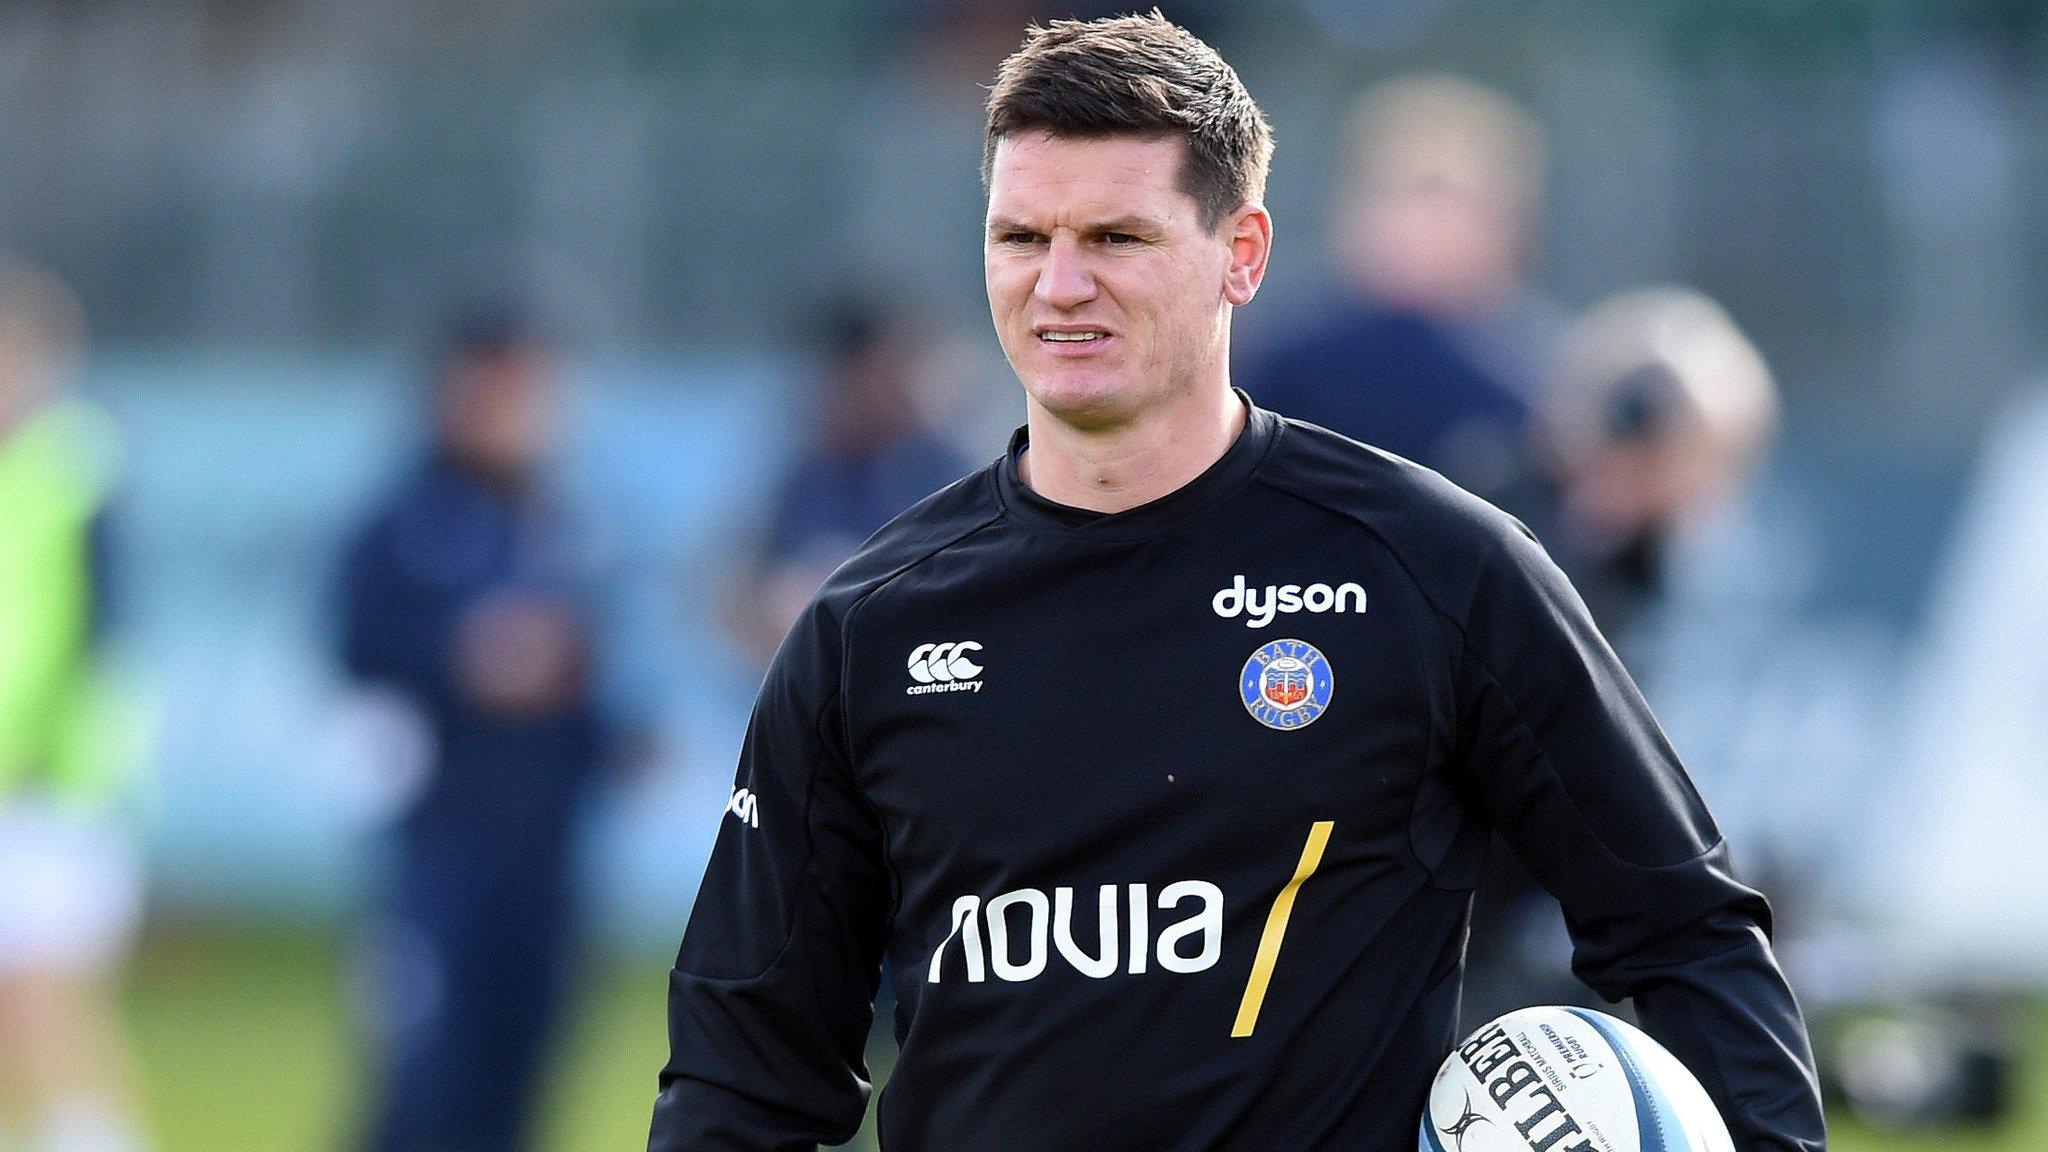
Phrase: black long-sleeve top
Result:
[1167,822]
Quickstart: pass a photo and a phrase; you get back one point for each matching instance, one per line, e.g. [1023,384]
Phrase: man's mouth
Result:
[1082,336]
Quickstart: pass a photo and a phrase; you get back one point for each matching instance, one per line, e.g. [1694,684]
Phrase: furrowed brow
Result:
[1132,225]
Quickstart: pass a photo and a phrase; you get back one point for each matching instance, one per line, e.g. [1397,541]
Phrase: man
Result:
[1157,758]
[1433,345]
[70,879]
[466,602]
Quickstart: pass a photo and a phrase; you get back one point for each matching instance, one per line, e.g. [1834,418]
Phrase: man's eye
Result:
[1017,237]
[1118,239]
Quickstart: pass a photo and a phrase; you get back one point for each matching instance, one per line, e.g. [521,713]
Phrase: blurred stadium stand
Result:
[315,172]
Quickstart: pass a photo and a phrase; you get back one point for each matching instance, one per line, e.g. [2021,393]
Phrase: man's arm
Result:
[393,630]
[773,989]
[1563,755]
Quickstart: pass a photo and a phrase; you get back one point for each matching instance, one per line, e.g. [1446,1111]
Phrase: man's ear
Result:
[1250,233]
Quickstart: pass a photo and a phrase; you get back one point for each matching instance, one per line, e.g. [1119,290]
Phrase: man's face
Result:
[1109,295]
[1434,245]
[497,410]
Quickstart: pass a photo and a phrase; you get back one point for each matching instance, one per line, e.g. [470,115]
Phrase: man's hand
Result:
[520,655]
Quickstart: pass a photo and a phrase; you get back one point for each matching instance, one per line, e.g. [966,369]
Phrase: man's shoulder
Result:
[925,529]
[1439,531]
[921,531]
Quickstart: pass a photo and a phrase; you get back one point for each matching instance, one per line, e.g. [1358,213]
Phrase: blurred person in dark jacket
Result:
[467,598]
[868,456]
[70,877]
[1433,344]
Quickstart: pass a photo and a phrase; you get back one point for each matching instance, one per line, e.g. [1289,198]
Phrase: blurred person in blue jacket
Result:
[869,455]
[468,598]
[1433,344]
[70,878]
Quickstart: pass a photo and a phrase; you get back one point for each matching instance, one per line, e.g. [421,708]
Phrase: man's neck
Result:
[1119,468]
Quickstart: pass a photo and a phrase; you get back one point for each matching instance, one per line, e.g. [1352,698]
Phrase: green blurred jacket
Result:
[63,733]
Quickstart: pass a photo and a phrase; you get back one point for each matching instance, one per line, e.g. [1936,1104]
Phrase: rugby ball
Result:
[1561,1079]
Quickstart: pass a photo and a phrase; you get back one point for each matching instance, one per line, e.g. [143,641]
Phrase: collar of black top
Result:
[1229,473]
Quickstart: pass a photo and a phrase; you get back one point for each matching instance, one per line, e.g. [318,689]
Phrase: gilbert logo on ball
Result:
[1559,1079]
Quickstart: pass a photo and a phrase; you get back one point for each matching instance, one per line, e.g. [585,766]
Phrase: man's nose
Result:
[1064,281]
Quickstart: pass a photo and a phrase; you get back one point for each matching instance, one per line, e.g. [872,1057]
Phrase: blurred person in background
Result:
[467,598]
[1652,430]
[869,455]
[70,880]
[1649,433]
[1433,345]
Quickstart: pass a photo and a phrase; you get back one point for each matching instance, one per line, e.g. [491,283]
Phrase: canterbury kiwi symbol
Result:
[944,663]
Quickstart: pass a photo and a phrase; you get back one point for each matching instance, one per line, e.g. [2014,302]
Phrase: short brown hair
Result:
[1137,75]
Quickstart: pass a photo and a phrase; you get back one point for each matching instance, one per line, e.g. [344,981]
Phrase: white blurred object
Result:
[70,891]
[375,754]
[1962,865]
[89,1123]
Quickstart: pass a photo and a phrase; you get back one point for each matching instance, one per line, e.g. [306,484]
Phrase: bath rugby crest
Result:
[1286,684]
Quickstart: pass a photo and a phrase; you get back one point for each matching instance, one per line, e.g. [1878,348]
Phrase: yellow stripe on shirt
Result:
[1276,929]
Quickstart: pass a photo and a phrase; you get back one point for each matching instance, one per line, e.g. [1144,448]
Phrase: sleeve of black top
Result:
[772,993]
[1564,757]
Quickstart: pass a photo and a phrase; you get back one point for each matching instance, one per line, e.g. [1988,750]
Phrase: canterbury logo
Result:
[944,668]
